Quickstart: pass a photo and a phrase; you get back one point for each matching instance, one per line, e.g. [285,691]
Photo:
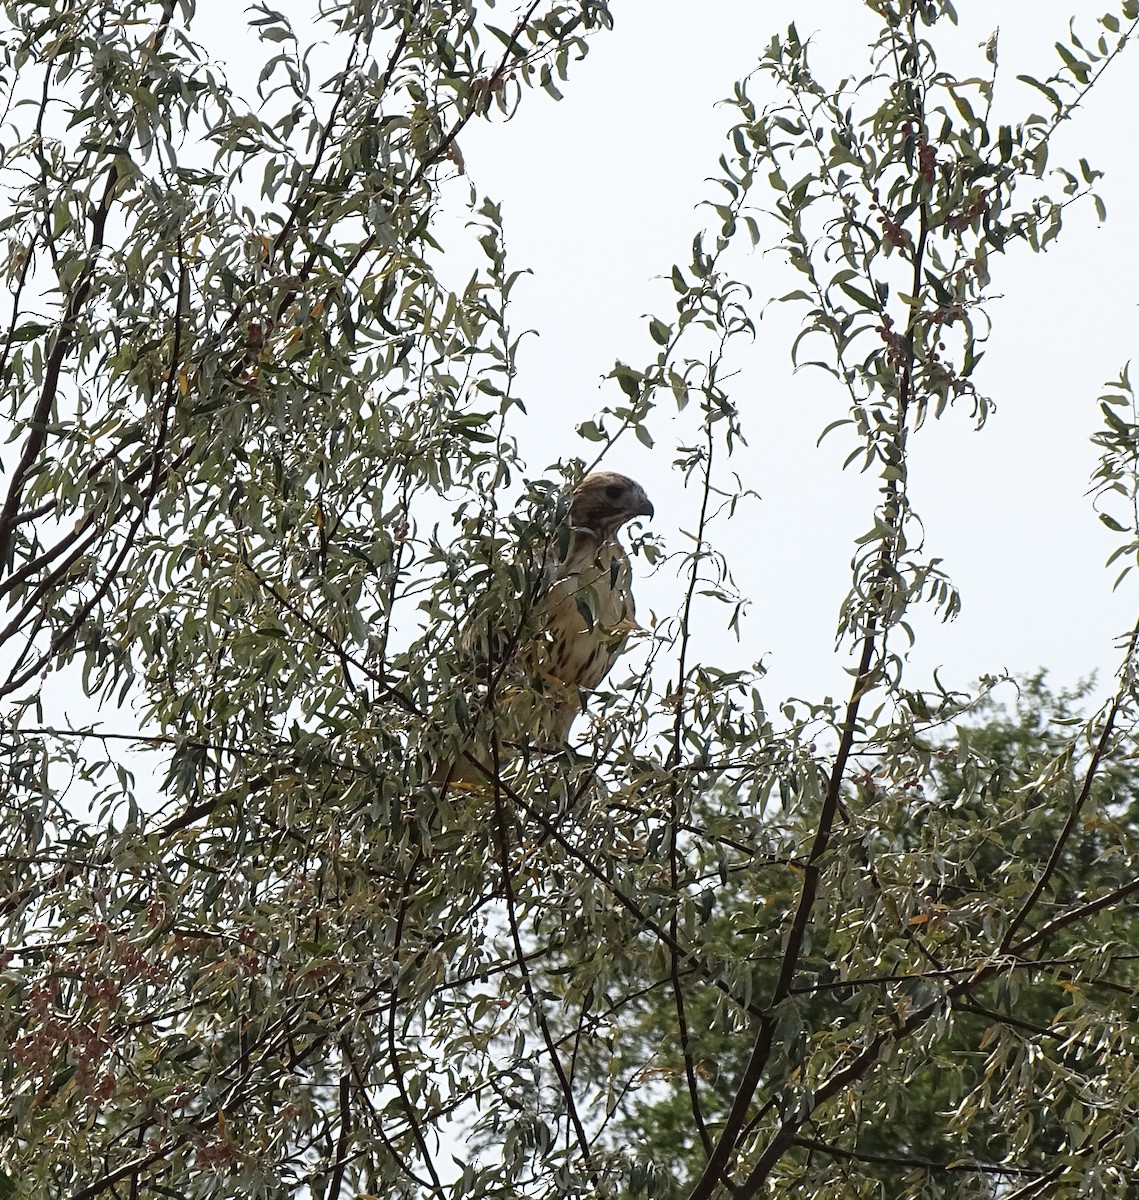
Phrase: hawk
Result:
[579,617]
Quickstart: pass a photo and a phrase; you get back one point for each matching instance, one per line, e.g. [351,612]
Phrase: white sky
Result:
[598,195]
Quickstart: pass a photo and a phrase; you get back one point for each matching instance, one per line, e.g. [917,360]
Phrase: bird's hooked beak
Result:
[644,507]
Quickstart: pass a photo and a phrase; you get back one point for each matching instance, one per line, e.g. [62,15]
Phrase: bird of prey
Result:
[573,629]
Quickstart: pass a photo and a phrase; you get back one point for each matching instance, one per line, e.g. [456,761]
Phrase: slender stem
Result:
[1073,819]
[536,1005]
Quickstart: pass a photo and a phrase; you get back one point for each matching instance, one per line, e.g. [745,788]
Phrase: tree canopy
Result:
[262,465]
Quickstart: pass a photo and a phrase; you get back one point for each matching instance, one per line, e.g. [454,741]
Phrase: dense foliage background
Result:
[262,464]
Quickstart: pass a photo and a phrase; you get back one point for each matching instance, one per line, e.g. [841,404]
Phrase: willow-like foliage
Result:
[261,465]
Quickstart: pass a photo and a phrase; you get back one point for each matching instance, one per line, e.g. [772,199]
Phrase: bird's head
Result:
[604,501]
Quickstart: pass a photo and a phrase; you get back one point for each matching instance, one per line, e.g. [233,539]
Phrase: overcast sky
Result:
[599,194]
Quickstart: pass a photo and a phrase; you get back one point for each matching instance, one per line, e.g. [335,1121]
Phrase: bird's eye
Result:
[614,490]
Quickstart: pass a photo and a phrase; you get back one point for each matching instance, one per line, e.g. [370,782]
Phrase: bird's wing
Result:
[585,618]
